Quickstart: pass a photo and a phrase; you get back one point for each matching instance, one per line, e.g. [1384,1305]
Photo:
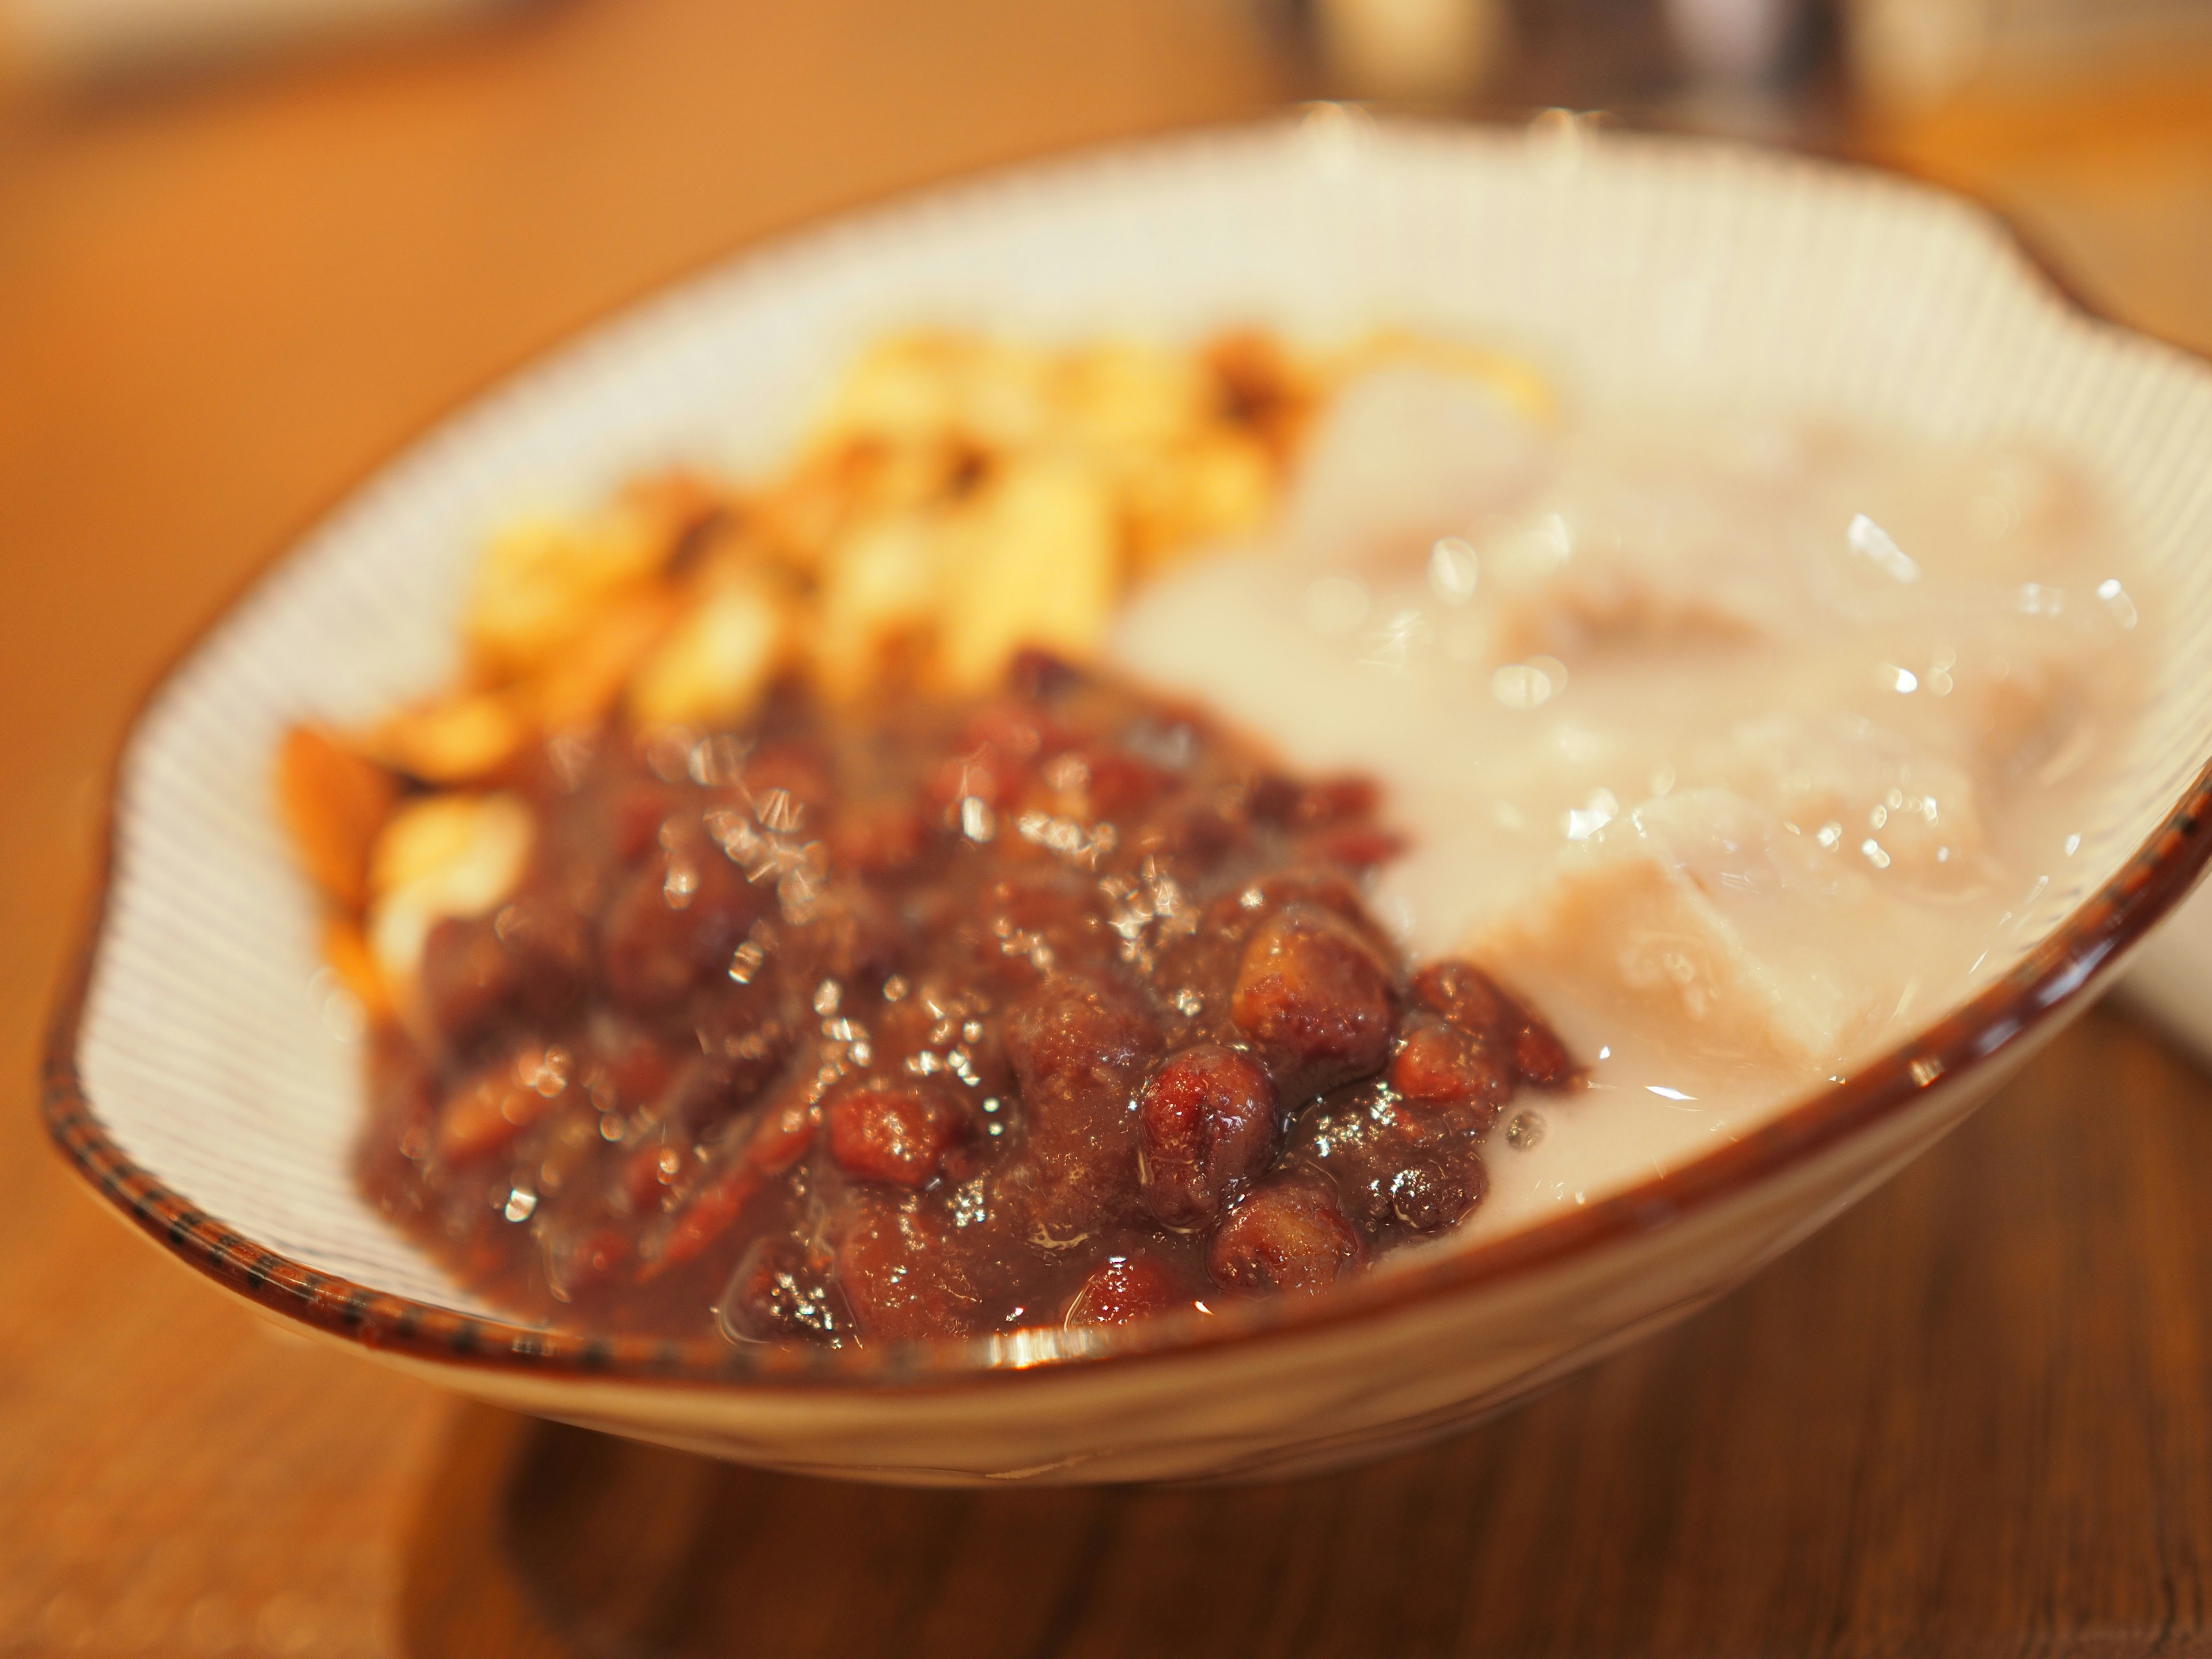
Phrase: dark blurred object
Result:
[75,41]
[1635,56]
[1787,69]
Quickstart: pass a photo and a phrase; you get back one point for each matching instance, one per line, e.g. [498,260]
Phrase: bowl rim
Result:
[2053,976]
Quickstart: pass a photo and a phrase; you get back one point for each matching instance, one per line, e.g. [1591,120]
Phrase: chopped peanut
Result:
[542,581]
[1035,562]
[438,856]
[457,740]
[717,659]
[333,803]
[586,680]
[345,947]
[880,582]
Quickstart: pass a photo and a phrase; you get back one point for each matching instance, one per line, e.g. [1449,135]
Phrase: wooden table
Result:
[1974,1416]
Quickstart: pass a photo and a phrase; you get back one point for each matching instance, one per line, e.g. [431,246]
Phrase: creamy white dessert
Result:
[1739,745]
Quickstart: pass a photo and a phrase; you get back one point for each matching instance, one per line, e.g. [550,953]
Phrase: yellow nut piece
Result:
[1035,561]
[714,665]
[439,856]
[880,582]
[542,580]
[585,681]
[930,384]
[1219,484]
[1125,396]
[453,741]
[333,801]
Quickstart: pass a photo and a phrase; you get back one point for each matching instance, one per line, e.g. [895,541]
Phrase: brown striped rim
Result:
[2055,976]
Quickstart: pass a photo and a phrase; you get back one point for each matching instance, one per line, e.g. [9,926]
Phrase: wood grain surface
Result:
[1974,1417]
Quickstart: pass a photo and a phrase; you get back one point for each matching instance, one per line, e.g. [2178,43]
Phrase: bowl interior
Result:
[209,1047]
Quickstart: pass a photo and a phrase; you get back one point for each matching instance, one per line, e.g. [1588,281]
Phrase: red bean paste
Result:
[938,1019]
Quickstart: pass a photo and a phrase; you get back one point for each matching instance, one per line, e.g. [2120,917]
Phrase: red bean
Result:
[1439,1064]
[878,838]
[1118,783]
[1355,847]
[797,767]
[785,1132]
[1473,1002]
[917,1088]
[894,1132]
[1291,1234]
[898,1271]
[578,1263]
[628,1069]
[1466,996]
[1431,1192]
[1079,1044]
[1339,800]
[468,978]
[986,772]
[1123,1290]
[1207,1123]
[635,817]
[675,922]
[1041,677]
[1316,999]
[1541,1058]
[1013,727]
[1317,885]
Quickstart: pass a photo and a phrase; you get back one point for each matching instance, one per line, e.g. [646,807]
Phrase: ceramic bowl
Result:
[199,1076]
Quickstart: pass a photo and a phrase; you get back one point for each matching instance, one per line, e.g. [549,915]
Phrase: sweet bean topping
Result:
[1315,998]
[897,1132]
[1207,1123]
[1291,1235]
[1122,1290]
[1437,1064]
[1055,1006]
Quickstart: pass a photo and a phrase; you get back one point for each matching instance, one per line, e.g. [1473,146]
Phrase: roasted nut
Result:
[542,581]
[716,661]
[333,801]
[1214,484]
[881,582]
[581,685]
[1036,562]
[456,740]
[928,384]
[442,855]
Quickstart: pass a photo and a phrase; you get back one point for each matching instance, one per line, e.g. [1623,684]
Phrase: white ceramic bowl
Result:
[192,1076]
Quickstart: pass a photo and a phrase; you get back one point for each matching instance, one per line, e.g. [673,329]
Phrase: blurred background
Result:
[247,247]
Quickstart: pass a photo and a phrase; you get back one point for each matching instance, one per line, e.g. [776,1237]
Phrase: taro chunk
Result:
[1701,918]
